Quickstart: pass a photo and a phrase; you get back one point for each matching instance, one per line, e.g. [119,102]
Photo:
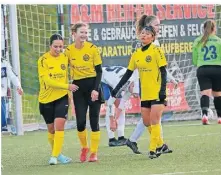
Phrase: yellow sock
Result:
[95,139]
[149,129]
[154,137]
[160,141]
[51,139]
[58,143]
[83,138]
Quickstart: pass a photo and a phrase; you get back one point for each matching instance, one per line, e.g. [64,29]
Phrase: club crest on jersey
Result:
[86,57]
[148,58]
[63,67]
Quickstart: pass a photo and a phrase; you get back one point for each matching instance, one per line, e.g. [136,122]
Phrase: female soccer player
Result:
[140,127]
[151,64]
[53,95]
[207,57]
[85,62]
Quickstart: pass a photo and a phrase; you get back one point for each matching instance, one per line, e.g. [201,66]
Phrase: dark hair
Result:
[209,27]
[55,36]
[144,21]
[77,25]
[150,29]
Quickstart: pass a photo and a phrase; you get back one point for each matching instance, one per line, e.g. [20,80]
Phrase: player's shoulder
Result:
[69,47]
[90,45]
[157,48]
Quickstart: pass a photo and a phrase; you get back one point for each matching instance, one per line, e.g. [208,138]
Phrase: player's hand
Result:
[113,93]
[113,124]
[73,87]
[111,101]
[162,95]
[19,90]
[94,95]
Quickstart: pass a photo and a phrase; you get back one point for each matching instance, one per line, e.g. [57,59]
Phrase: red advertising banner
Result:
[176,101]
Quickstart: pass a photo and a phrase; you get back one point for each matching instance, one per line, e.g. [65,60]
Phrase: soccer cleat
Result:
[113,142]
[121,142]
[205,120]
[163,150]
[53,161]
[219,120]
[152,155]
[83,156]
[93,157]
[133,146]
[64,159]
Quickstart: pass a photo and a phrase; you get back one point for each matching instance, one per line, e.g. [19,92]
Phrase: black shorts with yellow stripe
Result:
[149,103]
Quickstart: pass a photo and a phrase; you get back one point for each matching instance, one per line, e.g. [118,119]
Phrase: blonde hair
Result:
[144,21]
[76,26]
[209,27]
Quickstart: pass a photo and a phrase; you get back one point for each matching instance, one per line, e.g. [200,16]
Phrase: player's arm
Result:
[12,76]
[98,68]
[162,63]
[43,72]
[125,78]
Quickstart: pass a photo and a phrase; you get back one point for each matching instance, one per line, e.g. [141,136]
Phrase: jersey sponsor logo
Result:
[73,59]
[63,67]
[51,68]
[86,57]
[148,59]
[3,72]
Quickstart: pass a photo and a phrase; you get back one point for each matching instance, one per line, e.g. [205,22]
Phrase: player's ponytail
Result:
[144,21]
[55,36]
[209,27]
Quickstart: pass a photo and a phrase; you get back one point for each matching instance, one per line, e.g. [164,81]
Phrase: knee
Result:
[95,128]
[81,125]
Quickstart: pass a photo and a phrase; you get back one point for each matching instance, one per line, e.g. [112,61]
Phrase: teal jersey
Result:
[210,54]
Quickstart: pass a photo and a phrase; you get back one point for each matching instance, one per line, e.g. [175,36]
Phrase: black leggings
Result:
[82,99]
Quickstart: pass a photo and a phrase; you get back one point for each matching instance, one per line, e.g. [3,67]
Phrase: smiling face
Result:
[56,47]
[81,34]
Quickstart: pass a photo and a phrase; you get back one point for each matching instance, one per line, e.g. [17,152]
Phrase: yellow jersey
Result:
[83,61]
[148,63]
[52,72]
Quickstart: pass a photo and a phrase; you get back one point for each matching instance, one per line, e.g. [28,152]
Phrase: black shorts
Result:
[55,109]
[209,77]
[149,103]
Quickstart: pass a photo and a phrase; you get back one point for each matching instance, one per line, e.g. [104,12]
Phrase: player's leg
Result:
[216,87]
[205,84]
[81,106]
[120,113]
[61,113]
[111,136]
[94,115]
[3,115]
[138,131]
[155,116]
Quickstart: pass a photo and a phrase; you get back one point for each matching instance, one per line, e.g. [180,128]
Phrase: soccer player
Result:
[53,96]
[85,62]
[151,64]
[140,127]
[115,111]
[207,57]
[7,73]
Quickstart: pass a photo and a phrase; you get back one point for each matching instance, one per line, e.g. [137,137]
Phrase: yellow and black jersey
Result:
[148,63]
[83,61]
[52,72]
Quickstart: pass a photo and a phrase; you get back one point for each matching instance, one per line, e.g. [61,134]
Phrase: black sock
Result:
[121,138]
[204,103]
[217,104]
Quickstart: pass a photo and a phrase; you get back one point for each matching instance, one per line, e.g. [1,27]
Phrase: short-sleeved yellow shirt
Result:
[148,63]
[83,61]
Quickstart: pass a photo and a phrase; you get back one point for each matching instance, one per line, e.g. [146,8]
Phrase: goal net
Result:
[112,29]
